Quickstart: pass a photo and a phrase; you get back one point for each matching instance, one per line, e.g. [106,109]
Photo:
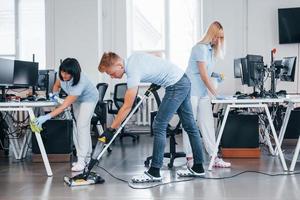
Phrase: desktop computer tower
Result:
[293,126]
[56,136]
[240,138]
[241,131]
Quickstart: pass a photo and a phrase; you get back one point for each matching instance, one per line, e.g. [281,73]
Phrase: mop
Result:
[88,177]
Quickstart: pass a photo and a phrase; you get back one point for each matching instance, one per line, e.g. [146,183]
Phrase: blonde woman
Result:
[199,70]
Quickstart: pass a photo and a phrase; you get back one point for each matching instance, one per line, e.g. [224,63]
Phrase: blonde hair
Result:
[108,59]
[215,30]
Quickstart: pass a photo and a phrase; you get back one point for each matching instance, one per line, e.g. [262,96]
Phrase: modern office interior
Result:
[252,95]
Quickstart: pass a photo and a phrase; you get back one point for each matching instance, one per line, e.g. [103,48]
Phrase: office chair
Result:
[171,132]
[100,116]
[118,100]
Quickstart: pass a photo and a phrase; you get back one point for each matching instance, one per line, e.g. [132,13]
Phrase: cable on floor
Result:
[193,178]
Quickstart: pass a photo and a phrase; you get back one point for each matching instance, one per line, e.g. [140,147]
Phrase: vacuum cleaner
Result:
[88,177]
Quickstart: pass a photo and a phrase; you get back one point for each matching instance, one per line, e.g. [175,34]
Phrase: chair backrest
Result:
[157,98]
[170,129]
[119,94]
[101,87]
[101,109]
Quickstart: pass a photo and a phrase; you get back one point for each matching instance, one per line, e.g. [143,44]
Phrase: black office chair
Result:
[100,117]
[118,100]
[171,132]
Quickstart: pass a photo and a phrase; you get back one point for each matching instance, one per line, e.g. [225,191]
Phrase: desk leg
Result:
[284,124]
[28,139]
[269,140]
[275,138]
[219,138]
[24,145]
[295,157]
[41,146]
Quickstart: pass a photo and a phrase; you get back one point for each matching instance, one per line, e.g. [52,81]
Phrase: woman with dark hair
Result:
[83,95]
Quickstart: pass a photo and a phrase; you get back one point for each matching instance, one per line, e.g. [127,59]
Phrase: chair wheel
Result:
[109,150]
[146,163]
[170,165]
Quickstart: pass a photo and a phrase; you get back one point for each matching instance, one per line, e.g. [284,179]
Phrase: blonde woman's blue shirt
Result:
[200,53]
[84,90]
[146,68]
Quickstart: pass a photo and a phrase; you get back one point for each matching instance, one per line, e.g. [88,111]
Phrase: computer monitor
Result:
[245,74]
[25,73]
[287,72]
[252,70]
[6,72]
[46,80]
[237,68]
[255,65]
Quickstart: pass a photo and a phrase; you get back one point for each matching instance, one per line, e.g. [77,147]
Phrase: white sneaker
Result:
[219,162]
[146,178]
[74,163]
[78,167]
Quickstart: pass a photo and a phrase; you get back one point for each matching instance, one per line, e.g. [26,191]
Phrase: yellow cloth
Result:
[34,127]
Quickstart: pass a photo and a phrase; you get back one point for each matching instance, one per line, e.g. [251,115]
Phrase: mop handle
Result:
[152,87]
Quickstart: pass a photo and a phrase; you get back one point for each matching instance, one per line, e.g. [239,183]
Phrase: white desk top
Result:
[234,100]
[293,98]
[28,104]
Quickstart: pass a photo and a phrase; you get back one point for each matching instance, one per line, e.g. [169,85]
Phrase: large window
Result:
[184,25]
[148,26]
[22,30]
[167,28]
[7,28]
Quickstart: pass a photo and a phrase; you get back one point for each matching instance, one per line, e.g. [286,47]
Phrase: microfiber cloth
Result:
[34,127]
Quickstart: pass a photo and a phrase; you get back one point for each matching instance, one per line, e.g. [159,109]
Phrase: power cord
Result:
[191,179]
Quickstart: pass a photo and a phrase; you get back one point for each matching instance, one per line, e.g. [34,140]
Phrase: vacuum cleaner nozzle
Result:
[80,180]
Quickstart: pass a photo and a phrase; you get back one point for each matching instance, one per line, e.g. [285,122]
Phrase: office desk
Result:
[248,103]
[20,150]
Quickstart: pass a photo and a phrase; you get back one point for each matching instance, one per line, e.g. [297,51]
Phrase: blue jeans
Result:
[177,98]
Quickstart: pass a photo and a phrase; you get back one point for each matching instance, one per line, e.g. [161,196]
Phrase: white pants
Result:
[203,114]
[83,113]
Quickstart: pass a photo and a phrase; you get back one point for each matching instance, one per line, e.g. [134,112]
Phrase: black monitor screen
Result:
[255,65]
[6,72]
[52,79]
[237,68]
[288,24]
[25,73]
[245,73]
[252,70]
[46,79]
[288,69]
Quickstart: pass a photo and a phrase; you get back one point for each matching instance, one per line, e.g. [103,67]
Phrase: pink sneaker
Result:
[219,162]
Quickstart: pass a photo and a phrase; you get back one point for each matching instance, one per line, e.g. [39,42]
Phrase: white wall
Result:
[74,29]
[251,27]
[115,34]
